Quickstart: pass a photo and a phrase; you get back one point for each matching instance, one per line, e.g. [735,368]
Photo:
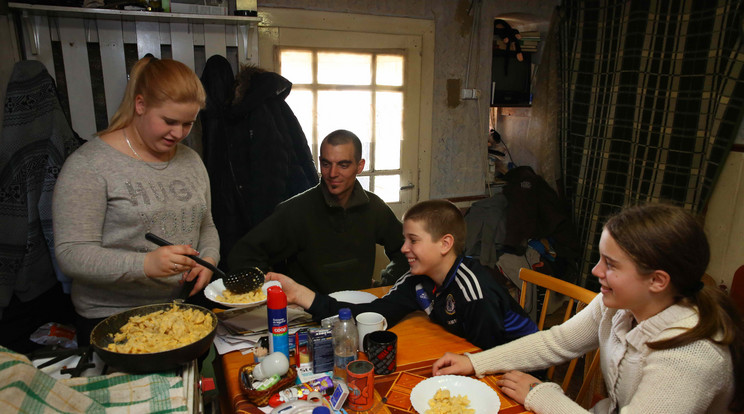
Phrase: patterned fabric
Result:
[652,99]
[36,139]
[23,388]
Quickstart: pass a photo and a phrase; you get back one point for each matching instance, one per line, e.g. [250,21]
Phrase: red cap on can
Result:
[275,298]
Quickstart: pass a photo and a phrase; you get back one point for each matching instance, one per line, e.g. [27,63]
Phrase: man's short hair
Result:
[341,137]
[440,217]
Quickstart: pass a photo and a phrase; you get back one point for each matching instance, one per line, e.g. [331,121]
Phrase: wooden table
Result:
[420,343]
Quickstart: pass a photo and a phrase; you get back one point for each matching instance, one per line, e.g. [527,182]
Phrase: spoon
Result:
[241,282]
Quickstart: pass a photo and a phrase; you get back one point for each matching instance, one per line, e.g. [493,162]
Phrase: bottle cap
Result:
[207,384]
[344,314]
[321,410]
[275,297]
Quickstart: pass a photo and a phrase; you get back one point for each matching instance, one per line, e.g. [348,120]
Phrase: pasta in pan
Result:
[162,330]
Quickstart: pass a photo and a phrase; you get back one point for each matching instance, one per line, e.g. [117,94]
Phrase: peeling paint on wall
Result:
[462,17]
[453,92]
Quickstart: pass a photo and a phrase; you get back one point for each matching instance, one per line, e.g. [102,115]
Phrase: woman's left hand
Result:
[202,275]
[517,385]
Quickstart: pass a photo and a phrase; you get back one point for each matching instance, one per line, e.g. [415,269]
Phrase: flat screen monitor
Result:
[510,79]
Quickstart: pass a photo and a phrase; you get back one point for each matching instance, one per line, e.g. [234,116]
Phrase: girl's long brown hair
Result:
[665,237]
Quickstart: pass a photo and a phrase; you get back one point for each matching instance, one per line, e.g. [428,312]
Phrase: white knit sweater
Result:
[696,378]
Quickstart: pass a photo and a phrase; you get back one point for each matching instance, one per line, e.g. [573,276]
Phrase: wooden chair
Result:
[575,294]
[737,289]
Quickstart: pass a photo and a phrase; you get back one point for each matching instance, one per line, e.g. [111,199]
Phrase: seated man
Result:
[455,291]
[325,237]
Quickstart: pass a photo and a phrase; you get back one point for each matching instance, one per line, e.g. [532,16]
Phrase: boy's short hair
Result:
[440,217]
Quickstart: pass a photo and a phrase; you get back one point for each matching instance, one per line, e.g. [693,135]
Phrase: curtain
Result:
[652,97]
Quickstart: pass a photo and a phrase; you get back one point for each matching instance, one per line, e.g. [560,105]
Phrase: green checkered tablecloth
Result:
[25,389]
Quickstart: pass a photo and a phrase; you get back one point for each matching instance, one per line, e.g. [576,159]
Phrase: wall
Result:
[459,128]
[724,220]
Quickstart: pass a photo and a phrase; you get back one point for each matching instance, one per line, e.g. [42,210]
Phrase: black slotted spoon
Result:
[244,281]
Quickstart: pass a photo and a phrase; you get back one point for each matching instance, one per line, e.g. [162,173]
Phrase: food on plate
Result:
[230,297]
[443,403]
[161,330]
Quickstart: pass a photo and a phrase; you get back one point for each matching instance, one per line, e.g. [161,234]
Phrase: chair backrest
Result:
[576,295]
[737,289]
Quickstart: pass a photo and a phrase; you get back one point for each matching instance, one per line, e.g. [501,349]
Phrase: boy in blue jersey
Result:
[456,291]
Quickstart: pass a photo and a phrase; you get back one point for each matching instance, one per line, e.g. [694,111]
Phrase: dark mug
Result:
[381,350]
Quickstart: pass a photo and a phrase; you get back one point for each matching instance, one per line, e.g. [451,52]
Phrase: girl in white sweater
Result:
[667,343]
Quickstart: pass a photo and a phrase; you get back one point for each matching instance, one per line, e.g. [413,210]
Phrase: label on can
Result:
[278,334]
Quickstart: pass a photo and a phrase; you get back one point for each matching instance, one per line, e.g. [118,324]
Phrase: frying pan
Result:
[102,336]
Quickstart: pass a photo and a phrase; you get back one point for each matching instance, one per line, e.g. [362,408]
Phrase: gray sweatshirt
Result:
[104,203]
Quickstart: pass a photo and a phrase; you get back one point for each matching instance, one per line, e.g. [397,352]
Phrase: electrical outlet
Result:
[469,94]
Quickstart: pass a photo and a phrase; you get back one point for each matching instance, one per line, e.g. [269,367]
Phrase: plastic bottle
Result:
[345,340]
[276,302]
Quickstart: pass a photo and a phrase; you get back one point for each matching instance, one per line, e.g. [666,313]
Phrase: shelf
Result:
[82,12]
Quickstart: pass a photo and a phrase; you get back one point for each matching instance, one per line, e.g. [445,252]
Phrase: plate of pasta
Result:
[216,292]
[450,394]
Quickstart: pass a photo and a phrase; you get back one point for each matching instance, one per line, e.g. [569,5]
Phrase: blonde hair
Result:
[158,81]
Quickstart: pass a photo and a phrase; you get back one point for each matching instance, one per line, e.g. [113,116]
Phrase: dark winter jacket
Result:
[254,148]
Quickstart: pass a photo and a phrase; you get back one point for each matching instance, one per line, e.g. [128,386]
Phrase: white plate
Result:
[353,296]
[216,288]
[483,399]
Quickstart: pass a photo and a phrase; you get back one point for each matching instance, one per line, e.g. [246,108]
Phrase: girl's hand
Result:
[296,293]
[169,260]
[517,385]
[202,275]
[452,364]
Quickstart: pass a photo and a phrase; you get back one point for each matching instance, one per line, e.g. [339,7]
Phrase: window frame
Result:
[370,170]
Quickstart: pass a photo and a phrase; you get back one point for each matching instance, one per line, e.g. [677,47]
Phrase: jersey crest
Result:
[449,306]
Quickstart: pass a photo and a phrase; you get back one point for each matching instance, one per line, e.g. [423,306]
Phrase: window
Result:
[359,90]
[386,41]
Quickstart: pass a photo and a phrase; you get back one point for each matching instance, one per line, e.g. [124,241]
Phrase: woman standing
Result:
[135,178]
[668,344]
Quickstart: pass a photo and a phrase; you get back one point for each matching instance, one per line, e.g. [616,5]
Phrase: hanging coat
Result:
[36,139]
[254,148]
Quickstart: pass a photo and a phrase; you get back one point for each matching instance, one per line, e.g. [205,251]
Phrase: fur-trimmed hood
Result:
[254,85]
